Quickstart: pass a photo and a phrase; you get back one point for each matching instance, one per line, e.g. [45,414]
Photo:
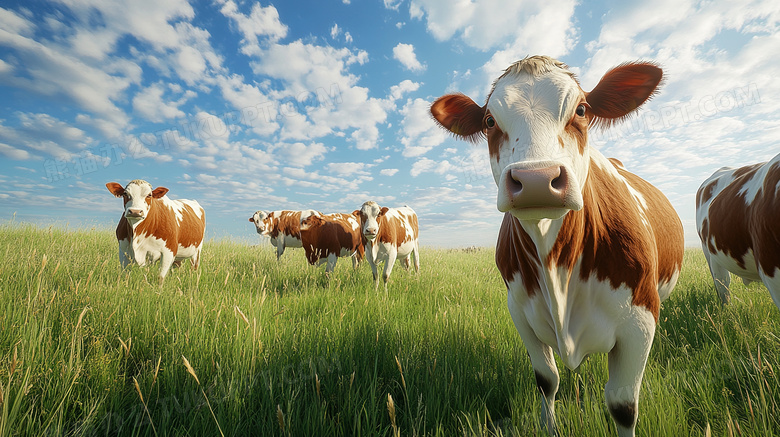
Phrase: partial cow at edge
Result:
[738,221]
[152,226]
[587,250]
[389,234]
[327,237]
[282,227]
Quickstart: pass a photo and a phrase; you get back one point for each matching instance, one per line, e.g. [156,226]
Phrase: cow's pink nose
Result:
[538,188]
[135,213]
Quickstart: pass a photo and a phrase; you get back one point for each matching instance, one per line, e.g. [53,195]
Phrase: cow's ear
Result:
[115,189]
[252,219]
[356,213]
[384,210]
[159,192]
[460,115]
[622,90]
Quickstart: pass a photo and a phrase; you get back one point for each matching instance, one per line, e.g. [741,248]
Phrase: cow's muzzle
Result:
[549,191]
[134,213]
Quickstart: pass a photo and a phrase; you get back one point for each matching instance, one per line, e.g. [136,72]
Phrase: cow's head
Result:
[369,213]
[310,218]
[137,196]
[536,122]
[262,224]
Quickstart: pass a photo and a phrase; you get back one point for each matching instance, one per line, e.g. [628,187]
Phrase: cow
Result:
[283,227]
[737,212]
[389,234]
[326,237]
[154,226]
[587,250]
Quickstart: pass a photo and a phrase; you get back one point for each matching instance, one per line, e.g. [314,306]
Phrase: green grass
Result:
[280,350]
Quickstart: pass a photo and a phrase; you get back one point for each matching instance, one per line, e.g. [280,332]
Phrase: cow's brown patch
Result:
[328,234]
[161,223]
[516,253]
[729,219]
[286,223]
[608,237]
[764,223]
[392,230]
[704,194]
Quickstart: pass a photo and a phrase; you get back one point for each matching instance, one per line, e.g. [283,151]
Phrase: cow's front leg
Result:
[721,277]
[125,253]
[392,254]
[168,258]
[627,361]
[279,248]
[332,258]
[542,361]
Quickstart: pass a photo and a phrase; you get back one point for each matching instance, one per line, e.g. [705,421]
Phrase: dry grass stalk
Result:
[280,417]
[317,385]
[241,314]
[391,411]
[189,368]
[400,369]
[140,395]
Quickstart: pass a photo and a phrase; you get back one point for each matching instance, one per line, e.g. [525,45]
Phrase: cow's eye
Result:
[489,121]
[581,110]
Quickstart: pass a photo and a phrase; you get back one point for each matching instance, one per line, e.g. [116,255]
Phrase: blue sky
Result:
[324,104]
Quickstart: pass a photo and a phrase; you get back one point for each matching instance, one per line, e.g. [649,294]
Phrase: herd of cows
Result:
[587,250]
[154,227]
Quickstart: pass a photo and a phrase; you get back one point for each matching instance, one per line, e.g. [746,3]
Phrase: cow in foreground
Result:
[737,211]
[154,226]
[326,237]
[390,234]
[283,228]
[587,249]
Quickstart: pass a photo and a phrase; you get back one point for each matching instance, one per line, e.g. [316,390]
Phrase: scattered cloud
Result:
[404,53]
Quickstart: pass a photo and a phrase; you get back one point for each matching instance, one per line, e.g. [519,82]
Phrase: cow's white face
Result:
[262,224]
[369,213]
[536,126]
[137,197]
[536,123]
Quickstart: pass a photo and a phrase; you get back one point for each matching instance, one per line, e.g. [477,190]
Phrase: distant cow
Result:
[152,225]
[587,249]
[390,234]
[326,237]
[283,227]
[738,220]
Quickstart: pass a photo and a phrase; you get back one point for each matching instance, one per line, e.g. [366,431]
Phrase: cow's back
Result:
[736,218]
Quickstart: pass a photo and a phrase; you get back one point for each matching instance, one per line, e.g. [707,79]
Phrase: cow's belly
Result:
[405,249]
[584,319]
[291,241]
[749,272]
[185,252]
[150,245]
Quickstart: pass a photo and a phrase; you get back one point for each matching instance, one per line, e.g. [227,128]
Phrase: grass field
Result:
[249,346]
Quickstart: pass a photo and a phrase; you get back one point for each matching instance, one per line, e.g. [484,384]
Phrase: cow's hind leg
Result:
[721,278]
[627,361]
[773,285]
[543,363]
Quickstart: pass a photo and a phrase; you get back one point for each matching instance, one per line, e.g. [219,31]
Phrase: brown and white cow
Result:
[390,234]
[154,226]
[737,213]
[283,228]
[326,237]
[587,250]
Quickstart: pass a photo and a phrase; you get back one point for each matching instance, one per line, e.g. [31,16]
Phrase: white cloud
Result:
[348,168]
[298,154]
[261,22]
[425,165]
[420,133]
[535,26]
[335,31]
[404,53]
[406,86]
[388,171]
[150,104]
[14,153]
